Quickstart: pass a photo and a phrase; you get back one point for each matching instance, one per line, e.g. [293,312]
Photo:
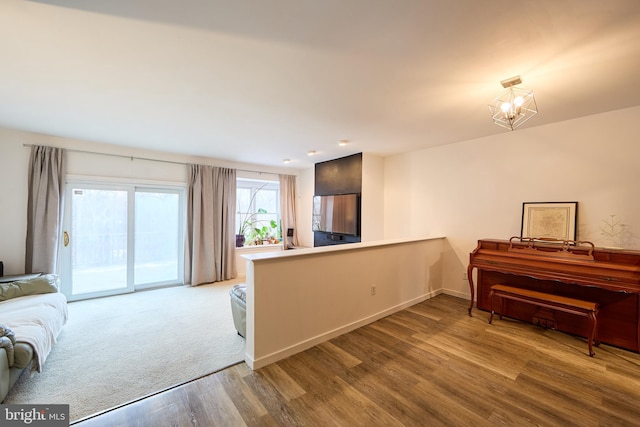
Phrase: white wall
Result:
[372,199]
[13,202]
[475,189]
[305,182]
[241,262]
[465,191]
[297,299]
[14,159]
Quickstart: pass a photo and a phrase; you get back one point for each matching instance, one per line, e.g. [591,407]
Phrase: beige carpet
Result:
[117,349]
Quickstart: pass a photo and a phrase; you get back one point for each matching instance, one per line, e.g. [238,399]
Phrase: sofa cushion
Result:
[14,277]
[23,355]
[45,284]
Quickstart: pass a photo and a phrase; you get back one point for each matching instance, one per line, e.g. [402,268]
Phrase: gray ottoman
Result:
[239,308]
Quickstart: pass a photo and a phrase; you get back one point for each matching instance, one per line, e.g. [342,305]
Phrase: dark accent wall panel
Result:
[327,239]
[339,176]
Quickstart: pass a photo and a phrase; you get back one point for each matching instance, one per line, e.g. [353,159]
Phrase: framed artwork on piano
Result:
[549,220]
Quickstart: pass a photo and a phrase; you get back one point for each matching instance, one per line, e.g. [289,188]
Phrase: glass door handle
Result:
[66,239]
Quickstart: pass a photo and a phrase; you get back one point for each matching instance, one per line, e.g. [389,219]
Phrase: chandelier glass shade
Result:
[514,106]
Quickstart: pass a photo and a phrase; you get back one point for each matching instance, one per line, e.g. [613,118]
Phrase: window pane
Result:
[98,240]
[242,199]
[254,196]
[157,230]
[266,199]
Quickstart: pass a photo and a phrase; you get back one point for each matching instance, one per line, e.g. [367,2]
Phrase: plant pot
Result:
[239,240]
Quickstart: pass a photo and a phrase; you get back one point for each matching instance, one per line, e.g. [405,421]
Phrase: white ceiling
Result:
[259,81]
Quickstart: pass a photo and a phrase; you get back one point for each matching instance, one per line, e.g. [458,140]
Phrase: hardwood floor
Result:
[430,364]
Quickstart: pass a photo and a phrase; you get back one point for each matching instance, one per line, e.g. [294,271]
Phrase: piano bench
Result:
[550,301]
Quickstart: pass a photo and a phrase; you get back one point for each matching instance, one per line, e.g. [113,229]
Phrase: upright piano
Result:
[610,277]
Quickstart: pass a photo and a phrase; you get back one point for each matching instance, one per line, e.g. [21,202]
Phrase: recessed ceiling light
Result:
[343,142]
[311,153]
[286,161]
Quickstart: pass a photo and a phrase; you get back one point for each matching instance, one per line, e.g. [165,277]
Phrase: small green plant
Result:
[248,221]
[261,233]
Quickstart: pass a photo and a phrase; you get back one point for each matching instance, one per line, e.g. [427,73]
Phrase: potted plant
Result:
[239,240]
[247,226]
[263,233]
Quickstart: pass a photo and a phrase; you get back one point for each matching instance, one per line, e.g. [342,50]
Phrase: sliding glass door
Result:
[120,238]
[97,243]
[158,238]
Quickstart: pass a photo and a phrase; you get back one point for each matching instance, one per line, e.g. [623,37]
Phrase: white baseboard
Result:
[304,345]
[463,295]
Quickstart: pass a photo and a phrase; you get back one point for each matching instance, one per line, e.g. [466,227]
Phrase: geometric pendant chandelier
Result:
[514,106]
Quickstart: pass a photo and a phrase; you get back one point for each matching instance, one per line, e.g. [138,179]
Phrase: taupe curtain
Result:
[210,234]
[288,209]
[44,209]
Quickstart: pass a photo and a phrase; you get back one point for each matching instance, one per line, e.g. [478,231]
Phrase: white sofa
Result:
[32,314]
[239,308]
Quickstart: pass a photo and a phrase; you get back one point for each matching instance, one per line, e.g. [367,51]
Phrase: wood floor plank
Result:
[356,408]
[416,322]
[447,407]
[211,405]
[315,409]
[327,391]
[570,407]
[425,312]
[430,364]
[248,404]
[568,381]
[620,410]
[357,345]
[397,399]
[304,368]
[342,356]
[419,360]
[316,404]
[475,354]
[271,399]
[287,387]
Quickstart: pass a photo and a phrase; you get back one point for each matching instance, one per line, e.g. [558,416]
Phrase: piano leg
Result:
[593,324]
[492,311]
[471,287]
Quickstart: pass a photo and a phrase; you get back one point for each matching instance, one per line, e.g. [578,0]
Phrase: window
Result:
[258,212]
[121,238]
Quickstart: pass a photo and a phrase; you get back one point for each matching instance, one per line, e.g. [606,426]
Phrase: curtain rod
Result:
[146,158]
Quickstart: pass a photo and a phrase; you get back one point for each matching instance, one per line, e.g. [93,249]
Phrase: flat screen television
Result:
[336,213]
